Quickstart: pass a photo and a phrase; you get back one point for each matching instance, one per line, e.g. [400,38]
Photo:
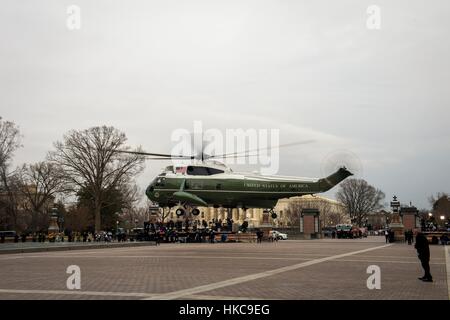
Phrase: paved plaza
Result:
[309,269]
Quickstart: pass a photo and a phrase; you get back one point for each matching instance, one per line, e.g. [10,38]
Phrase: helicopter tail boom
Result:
[329,182]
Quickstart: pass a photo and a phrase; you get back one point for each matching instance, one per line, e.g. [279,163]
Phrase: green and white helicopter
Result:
[209,183]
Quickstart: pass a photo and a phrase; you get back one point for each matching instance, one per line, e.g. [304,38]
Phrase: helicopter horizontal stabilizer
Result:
[189,198]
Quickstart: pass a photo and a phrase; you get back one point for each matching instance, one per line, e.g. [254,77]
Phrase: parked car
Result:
[328,232]
[280,235]
[137,234]
[7,235]
[348,231]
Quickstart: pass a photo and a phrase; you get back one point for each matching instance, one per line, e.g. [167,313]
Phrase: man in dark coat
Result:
[212,236]
[423,250]
[259,236]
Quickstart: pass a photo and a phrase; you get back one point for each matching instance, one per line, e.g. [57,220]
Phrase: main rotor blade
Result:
[235,154]
[164,158]
[162,155]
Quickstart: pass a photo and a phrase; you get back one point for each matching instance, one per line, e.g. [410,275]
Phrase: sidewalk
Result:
[25,247]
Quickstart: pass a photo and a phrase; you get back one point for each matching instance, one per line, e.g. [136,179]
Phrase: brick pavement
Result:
[310,269]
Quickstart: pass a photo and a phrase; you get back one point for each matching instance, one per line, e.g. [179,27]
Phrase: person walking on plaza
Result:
[259,236]
[423,251]
[274,237]
[386,234]
[410,237]
[157,237]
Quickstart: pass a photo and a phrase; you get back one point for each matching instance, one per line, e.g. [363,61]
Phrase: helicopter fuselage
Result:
[234,190]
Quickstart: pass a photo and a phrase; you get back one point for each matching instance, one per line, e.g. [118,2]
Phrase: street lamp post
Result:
[53,227]
[395,204]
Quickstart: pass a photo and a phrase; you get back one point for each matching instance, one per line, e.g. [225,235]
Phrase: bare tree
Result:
[9,143]
[78,218]
[39,185]
[131,211]
[359,199]
[440,206]
[291,216]
[336,217]
[90,160]
[134,217]
[434,199]
[131,194]
[164,214]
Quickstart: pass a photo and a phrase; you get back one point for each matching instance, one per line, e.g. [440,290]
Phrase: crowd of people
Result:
[62,237]
[188,230]
[171,231]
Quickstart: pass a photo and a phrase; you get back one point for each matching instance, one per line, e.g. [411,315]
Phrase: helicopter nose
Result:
[149,191]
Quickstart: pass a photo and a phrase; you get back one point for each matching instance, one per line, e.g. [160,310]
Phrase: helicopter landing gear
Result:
[273,214]
[180,211]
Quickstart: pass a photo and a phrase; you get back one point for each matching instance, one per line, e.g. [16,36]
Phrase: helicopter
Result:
[209,183]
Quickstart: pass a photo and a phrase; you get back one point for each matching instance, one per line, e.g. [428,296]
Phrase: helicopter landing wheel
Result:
[195,212]
[273,214]
[180,211]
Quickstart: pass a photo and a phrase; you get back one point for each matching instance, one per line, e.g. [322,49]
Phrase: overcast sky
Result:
[311,69]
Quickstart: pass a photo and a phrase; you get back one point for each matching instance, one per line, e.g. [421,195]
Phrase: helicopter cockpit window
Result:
[197,171]
[169,169]
[202,171]
[160,181]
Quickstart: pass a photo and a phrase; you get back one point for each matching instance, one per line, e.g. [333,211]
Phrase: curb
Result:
[83,247]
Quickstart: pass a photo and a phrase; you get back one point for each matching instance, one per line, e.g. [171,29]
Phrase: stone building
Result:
[332,212]
[377,220]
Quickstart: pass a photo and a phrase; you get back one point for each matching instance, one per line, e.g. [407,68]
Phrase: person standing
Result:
[423,251]
[259,236]
[386,234]
[212,235]
[410,237]
[274,237]
[158,237]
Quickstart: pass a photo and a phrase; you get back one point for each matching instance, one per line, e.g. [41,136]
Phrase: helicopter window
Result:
[197,171]
[202,171]
[214,171]
[160,182]
[181,170]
